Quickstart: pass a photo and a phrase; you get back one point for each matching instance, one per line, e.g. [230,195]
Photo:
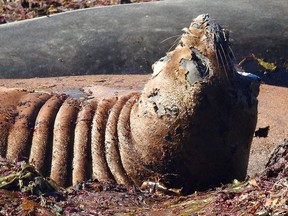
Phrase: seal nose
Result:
[200,20]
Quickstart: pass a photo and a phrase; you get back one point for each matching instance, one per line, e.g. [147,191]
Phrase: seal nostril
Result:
[179,130]
[173,111]
[168,137]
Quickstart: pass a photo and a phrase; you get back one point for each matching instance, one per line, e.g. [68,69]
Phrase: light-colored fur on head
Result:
[202,52]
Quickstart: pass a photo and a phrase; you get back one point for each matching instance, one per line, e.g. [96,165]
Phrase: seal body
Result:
[195,119]
[189,129]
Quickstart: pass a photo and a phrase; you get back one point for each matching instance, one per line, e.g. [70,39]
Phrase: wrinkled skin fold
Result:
[189,129]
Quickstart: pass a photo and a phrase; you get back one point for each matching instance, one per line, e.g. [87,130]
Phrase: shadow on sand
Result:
[278,77]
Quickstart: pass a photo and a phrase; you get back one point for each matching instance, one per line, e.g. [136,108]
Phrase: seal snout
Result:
[200,20]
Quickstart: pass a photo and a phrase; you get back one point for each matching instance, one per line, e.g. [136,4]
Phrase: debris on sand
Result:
[265,193]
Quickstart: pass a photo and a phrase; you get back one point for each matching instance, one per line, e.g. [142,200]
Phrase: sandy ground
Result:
[272,105]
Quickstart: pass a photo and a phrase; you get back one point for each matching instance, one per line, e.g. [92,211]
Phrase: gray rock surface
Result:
[130,38]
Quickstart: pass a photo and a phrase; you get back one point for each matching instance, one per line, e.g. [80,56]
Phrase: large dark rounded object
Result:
[130,38]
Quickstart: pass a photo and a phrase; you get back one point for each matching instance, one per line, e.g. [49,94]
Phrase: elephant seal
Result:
[189,129]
